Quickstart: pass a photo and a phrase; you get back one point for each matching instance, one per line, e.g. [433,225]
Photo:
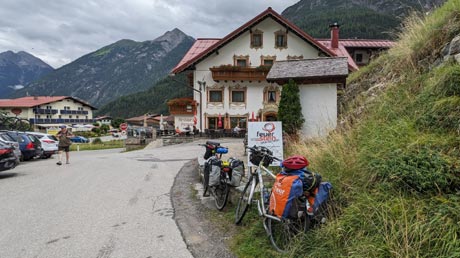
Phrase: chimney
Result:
[334,35]
[35,97]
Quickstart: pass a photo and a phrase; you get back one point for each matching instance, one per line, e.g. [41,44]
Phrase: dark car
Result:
[29,145]
[8,159]
[79,139]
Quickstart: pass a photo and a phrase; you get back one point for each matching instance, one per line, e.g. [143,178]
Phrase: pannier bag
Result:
[256,156]
[285,192]
[322,195]
[310,179]
[237,171]
[215,165]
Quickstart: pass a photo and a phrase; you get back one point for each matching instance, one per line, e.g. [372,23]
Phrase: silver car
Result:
[6,139]
[49,143]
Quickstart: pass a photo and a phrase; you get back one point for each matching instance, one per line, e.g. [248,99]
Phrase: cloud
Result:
[59,32]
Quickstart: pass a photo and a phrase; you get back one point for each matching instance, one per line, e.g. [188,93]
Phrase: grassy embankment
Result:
[97,146]
[395,165]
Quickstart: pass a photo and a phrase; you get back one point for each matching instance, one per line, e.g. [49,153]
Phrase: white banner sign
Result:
[267,134]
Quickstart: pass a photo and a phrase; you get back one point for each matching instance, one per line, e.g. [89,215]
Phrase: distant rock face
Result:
[18,69]
[122,68]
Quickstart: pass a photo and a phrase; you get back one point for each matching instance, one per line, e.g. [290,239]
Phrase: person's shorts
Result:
[64,148]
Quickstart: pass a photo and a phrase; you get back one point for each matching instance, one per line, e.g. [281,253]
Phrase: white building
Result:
[229,75]
[45,111]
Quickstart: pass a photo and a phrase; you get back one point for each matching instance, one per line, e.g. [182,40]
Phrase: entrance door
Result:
[271,117]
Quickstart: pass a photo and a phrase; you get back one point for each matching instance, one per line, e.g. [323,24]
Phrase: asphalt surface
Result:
[104,204]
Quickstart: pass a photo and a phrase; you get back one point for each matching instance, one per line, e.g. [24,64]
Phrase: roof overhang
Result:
[310,71]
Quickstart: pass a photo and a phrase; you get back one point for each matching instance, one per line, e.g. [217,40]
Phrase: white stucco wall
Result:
[319,108]
[241,46]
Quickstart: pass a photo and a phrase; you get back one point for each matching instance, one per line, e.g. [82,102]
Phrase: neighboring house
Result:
[230,75]
[44,111]
[183,110]
[146,120]
[358,51]
[103,120]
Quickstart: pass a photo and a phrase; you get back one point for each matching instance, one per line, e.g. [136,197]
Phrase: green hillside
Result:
[371,19]
[395,161]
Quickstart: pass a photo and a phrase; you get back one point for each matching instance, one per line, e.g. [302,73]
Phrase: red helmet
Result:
[295,162]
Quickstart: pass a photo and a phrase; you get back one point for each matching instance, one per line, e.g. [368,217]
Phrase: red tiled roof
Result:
[198,47]
[184,64]
[365,43]
[33,101]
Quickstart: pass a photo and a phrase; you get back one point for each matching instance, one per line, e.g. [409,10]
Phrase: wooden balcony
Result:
[235,73]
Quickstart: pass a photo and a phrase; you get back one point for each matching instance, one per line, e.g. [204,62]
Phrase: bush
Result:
[97,141]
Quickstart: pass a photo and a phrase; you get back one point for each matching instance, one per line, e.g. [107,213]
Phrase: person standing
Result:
[64,143]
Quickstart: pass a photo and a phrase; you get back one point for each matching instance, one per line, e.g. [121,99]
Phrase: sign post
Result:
[269,135]
[123,128]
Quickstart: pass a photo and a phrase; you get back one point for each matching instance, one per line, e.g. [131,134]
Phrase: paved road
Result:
[104,204]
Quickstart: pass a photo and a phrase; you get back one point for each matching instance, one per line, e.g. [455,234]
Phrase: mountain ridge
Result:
[121,68]
[19,69]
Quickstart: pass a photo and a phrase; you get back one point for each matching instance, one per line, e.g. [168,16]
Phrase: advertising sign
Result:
[267,134]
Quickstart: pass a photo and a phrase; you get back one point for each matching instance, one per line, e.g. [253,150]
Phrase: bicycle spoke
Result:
[221,195]
[243,202]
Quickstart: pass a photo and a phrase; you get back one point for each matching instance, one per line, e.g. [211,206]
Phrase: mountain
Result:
[376,19]
[116,70]
[151,101]
[18,69]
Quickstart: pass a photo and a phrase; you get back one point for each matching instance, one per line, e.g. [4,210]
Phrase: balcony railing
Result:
[235,73]
[45,111]
[73,112]
[60,121]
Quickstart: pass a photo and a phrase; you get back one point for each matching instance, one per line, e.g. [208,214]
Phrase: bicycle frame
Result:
[257,179]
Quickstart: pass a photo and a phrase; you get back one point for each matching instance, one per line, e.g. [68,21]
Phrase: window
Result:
[238,96]
[59,116]
[268,62]
[271,96]
[213,123]
[280,39]
[48,116]
[77,117]
[238,120]
[359,58]
[49,107]
[257,39]
[70,117]
[215,96]
[241,61]
[66,108]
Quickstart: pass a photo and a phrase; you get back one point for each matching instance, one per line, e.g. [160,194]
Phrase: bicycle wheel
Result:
[221,193]
[243,202]
[282,232]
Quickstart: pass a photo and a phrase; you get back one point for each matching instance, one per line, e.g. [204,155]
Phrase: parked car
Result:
[79,139]
[48,142]
[5,138]
[29,145]
[7,158]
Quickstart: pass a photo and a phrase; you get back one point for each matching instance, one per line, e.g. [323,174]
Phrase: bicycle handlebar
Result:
[255,149]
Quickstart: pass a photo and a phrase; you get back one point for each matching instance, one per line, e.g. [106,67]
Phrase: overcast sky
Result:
[60,31]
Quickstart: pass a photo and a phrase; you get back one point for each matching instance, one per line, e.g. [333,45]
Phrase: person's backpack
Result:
[285,192]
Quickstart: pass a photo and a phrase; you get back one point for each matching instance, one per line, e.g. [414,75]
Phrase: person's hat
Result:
[63,126]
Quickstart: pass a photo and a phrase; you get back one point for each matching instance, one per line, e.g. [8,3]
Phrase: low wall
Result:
[171,140]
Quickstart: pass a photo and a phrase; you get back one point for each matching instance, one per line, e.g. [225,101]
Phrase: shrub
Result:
[421,169]
[97,141]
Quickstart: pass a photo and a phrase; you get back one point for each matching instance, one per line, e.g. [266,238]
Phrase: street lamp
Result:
[201,84]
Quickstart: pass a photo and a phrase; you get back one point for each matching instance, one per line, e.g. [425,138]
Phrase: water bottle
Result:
[266,195]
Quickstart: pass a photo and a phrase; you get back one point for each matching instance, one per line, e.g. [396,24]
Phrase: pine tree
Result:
[290,109]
